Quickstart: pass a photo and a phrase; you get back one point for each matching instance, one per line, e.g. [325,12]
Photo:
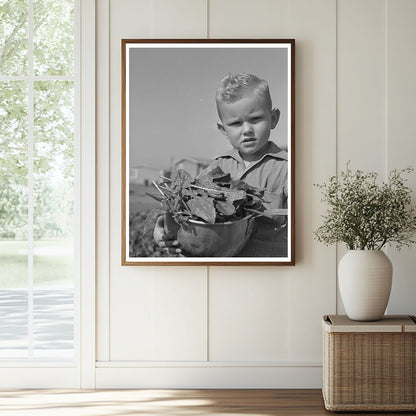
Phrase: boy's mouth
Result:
[249,139]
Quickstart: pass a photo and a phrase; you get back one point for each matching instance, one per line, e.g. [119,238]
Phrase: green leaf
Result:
[215,175]
[225,208]
[254,201]
[182,179]
[188,192]
[155,195]
[235,195]
[239,185]
[203,207]
[206,182]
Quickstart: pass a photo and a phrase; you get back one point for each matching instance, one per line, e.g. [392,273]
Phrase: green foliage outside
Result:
[13,37]
[53,37]
[53,263]
[53,120]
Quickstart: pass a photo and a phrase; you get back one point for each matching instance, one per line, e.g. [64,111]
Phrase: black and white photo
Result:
[208,152]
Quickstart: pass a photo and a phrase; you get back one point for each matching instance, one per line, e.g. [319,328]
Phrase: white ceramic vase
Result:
[364,278]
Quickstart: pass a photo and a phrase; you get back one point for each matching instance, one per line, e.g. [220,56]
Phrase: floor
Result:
[165,402]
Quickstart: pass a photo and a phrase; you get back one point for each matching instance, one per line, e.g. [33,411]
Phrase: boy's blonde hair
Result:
[234,87]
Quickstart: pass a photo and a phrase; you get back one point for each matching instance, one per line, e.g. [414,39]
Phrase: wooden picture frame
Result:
[170,124]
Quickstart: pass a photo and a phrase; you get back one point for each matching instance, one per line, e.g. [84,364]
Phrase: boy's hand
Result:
[279,216]
[165,238]
[280,221]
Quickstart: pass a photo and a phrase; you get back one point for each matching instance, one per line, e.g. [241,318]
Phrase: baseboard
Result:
[210,377]
[39,378]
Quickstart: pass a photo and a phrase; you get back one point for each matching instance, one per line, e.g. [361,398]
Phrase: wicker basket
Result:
[369,366]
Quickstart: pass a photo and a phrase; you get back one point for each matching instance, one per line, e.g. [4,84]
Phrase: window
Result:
[38,184]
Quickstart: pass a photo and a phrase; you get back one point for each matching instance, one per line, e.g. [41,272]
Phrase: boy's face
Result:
[247,123]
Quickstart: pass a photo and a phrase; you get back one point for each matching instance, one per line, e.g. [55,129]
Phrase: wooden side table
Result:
[369,366]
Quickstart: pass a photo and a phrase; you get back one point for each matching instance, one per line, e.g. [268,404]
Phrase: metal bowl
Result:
[199,239]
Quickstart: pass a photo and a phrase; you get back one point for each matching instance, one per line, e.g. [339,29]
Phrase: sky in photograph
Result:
[172,99]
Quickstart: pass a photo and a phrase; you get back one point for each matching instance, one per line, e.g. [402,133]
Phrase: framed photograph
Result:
[208,152]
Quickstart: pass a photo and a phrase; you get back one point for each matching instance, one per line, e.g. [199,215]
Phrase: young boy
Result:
[247,117]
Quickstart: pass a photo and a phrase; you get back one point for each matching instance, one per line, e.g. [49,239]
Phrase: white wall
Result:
[254,326]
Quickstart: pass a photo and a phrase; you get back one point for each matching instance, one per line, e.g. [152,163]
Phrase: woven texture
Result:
[369,371]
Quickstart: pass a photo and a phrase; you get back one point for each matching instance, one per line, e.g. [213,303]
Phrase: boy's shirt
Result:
[270,172]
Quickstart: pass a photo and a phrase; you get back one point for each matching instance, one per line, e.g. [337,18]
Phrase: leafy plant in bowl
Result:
[212,214]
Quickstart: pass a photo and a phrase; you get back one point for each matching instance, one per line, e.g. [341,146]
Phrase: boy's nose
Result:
[247,128]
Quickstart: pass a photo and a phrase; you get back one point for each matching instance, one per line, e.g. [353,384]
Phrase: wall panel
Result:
[155,313]
[361,84]
[158,316]
[401,139]
[361,89]
[245,20]
[248,314]
[256,326]
[311,282]
[179,19]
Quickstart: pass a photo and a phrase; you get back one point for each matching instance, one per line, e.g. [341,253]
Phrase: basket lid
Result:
[389,323]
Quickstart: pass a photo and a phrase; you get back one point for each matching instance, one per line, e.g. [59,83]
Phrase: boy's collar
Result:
[272,150]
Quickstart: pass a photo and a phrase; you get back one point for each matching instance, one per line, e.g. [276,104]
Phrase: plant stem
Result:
[196,186]
[158,188]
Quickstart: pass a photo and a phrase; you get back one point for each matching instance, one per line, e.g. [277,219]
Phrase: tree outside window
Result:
[37,125]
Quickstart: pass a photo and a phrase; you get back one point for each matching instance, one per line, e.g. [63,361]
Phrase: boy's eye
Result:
[256,118]
[235,123]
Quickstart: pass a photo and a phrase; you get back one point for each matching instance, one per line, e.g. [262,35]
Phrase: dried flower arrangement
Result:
[366,215]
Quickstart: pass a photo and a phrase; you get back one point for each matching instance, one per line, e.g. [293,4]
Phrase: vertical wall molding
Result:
[401,133]
[337,255]
[208,21]
[88,188]
[386,69]
[103,179]
[208,312]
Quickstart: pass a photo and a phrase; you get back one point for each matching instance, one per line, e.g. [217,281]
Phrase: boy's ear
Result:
[221,128]
[275,117]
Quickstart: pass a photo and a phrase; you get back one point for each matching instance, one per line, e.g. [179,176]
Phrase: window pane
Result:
[13,161]
[13,219]
[14,321]
[53,37]
[13,37]
[53,197]
[54,171]
[53,320]
[54,127]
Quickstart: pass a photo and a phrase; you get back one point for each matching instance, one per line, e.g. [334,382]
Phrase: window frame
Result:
[81,371]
